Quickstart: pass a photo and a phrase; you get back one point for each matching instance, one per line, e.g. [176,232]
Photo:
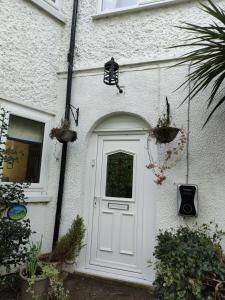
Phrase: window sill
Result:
[133,9]
[37,198]
[50,10]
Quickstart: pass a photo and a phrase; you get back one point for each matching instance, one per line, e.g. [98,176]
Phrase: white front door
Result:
[118,212]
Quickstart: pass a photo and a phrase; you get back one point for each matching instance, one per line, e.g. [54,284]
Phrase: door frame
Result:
[89,194]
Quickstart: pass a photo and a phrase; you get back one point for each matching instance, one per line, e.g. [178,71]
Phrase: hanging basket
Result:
[63,135]
[165,135]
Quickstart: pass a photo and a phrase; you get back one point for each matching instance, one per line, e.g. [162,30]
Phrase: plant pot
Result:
[165,135]
[66,135]
[40,287]
[45,258]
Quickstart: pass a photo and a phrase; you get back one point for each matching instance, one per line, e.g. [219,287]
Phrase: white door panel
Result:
[117,217]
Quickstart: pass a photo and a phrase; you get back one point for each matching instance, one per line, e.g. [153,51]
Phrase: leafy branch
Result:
[208,57]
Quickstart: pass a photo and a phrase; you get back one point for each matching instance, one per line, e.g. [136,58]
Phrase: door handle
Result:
[96,199]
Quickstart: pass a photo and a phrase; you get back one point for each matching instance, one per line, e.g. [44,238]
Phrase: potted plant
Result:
[164,132]
[63,133]
[41,281]
[34,283]
[68,247]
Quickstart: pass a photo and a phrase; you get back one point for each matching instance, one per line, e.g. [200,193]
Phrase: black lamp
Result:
[111,74]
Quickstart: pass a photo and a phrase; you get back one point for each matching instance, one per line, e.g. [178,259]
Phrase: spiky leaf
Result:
[207,59]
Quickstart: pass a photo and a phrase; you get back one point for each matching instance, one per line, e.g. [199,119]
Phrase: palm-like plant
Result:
[208,59]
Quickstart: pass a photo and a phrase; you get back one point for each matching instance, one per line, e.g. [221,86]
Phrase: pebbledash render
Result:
[113,127]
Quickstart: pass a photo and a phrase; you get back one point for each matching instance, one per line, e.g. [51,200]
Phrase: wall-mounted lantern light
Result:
[111,74]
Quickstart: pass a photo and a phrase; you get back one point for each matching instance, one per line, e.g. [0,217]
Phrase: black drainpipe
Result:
[67,116]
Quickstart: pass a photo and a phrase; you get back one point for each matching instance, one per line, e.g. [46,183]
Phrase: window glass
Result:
[113,4]
[119,178]
[52,1]
[24,150]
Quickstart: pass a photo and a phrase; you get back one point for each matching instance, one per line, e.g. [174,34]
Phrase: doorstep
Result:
[90,287]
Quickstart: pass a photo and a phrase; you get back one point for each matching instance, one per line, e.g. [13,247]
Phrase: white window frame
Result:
[140,4]
[54,9]
[54,4]
[35,189]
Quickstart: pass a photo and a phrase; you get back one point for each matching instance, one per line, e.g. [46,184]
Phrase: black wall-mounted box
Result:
[187,200]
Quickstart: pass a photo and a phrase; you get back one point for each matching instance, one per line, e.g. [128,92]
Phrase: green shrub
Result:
[185,259]
[14,236]
[69,245]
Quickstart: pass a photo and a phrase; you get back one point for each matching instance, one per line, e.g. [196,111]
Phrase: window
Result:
[27,146]
[53,2]
[53,7]
[110,6]
[119,177]
[24,148]
[113,4]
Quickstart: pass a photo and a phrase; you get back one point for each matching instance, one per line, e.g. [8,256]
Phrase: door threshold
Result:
[131,281]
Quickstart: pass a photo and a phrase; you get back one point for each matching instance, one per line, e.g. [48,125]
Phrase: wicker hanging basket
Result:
[63,134]
[165,135]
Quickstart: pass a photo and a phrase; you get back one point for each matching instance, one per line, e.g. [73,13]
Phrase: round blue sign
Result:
[17,212]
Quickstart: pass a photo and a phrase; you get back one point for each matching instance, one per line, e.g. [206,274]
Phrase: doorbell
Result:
[187,200]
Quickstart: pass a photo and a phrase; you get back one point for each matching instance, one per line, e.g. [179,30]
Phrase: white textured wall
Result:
[130,38]
[135,36]
[33,49]
[30,49]
[145,92]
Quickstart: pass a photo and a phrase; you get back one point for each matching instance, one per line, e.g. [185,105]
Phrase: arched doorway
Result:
[120,199]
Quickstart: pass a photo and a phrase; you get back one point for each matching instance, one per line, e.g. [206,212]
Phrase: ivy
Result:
[186,259]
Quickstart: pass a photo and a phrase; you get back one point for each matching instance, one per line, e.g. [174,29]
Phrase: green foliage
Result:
[3,135]
[9,283]
[14,236]
[49,272]
[35,269]
[185,259]
[208,57]
[12,193]
[165,119]
[69,245]
[56,289]
[32,262]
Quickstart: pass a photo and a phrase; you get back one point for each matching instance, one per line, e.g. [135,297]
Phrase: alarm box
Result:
[187,200]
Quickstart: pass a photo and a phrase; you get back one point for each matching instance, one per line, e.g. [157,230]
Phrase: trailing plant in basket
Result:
[63,133]
[207,57]
[169,159]
[164,132]
[186,260]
